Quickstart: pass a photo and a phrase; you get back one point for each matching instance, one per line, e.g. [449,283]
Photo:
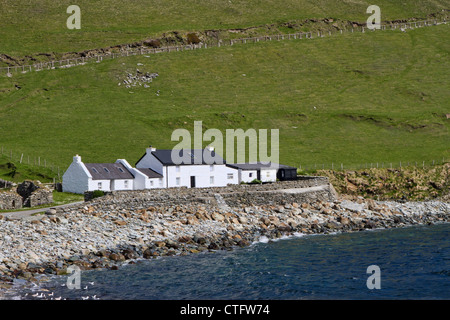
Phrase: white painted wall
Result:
[268,175]
[202,174]
[247,175]
[76,178]
[94,185]
[123,184]
[154,183]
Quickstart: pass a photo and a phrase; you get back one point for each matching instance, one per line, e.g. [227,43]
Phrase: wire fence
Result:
[129,51]
[339,166]
[37,162]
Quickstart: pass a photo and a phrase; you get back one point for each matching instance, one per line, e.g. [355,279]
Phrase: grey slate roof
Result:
[150,173]
[165,156]
[113,171]
[258,166]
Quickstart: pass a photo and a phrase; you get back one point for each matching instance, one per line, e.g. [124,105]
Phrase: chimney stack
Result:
[77,159]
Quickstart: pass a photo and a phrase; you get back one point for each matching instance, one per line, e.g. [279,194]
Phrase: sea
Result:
[401,263]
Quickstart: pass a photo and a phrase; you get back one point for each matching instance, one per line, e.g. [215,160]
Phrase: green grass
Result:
[378,96]
[13,170]
[39,26]
[60,198]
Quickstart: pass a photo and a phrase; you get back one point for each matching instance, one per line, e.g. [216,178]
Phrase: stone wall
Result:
[34,194]
[26,194]
[275,197]
[233,195]
[10,201]
[40,197]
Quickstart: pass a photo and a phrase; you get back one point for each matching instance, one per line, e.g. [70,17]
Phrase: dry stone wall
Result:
[255,194]
[26,194]
[10,201]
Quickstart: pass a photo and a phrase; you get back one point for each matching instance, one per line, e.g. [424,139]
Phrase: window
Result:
[211,180]
[106,170]
[99,186]
[178,181]
[211,168]
[126,183]
[95,170]
[120,169]
[151,183]
[230,176]
[268,174]
[250,174]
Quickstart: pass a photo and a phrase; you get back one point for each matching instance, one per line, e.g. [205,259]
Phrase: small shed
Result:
[286,173]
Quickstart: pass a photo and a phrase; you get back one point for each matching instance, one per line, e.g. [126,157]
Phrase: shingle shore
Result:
[107,231]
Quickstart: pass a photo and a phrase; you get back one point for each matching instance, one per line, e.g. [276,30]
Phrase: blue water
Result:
[414,263]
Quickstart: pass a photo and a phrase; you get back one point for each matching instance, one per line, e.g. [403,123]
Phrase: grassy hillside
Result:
[39,26]
[15,171]
[351,98]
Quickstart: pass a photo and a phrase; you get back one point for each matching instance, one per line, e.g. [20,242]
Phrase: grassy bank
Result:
[12,170]
[408,183]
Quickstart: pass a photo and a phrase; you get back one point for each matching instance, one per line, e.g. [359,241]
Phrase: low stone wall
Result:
[40,197]
[275,197]
[10,201]
[267,193]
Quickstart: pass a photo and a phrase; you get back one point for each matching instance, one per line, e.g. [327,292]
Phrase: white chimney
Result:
[210,148]
[77,159]
[150,149]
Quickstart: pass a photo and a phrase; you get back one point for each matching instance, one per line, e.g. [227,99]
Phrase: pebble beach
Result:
[115,229]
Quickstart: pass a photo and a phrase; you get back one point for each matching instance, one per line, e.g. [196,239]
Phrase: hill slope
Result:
[39,26]
[349,98]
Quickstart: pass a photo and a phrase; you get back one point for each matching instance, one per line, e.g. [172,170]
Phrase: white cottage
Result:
[81,177]
[158,169]
[197,172]
[248,172]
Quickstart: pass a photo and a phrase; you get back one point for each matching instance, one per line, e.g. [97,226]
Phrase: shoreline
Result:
[106,233]
[40,284]
[119,228]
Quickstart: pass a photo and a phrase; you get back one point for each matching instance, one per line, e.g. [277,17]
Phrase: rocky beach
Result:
[122,227]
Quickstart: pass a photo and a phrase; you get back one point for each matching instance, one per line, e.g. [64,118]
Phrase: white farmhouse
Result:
[197,172]
[158,169]
[81,177]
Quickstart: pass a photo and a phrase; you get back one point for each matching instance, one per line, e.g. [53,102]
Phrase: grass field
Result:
[352,98]
[39,26]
